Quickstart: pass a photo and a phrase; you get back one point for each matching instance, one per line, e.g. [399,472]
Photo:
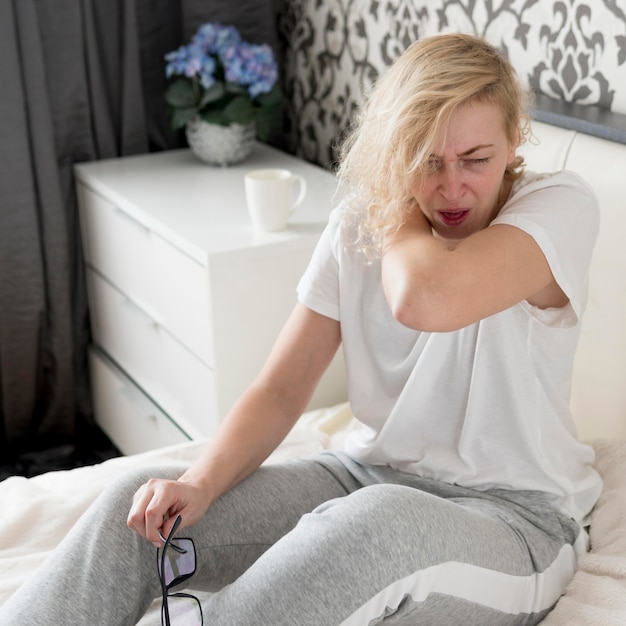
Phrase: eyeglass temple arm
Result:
[175,547]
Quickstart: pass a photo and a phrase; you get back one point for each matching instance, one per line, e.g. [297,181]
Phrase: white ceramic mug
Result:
[270,197]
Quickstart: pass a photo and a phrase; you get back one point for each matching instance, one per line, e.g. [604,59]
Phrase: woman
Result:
[456,283]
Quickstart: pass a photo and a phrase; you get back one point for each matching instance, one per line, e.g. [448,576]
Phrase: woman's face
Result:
[465,187]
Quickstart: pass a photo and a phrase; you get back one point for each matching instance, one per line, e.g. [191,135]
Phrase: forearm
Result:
[254,427]
[441,285]
[266,412]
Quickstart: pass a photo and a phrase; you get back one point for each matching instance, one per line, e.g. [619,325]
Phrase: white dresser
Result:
[185,299]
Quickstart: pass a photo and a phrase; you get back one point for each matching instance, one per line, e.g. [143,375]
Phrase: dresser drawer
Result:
[173,376]
[172,286]
[130,419]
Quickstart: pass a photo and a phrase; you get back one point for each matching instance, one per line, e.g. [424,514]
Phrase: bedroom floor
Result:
[47,454]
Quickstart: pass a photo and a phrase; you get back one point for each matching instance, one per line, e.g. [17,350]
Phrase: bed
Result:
[35,513]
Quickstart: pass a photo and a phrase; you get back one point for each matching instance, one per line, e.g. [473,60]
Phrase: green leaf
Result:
[180,117]
[236,89]
[212,94]
[240,110]
[180,94]
[264,123]
[214,116]
[270,99]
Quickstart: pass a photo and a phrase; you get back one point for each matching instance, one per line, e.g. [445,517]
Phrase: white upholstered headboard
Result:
[599,385]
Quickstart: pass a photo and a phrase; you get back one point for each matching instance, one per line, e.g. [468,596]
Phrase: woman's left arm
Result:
[438,285]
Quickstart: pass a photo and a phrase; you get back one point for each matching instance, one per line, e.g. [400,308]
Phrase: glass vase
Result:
[220,145]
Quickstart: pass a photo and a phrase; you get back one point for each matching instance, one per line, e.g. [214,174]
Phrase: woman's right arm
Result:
[253,428]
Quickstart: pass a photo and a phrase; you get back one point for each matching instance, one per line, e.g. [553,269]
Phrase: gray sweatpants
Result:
[319,542]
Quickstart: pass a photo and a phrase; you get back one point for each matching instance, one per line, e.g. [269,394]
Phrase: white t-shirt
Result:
[486,406]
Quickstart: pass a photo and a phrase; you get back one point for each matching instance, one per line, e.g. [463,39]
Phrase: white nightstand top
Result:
[200,208]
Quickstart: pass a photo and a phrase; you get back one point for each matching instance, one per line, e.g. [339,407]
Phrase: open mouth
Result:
[453,218]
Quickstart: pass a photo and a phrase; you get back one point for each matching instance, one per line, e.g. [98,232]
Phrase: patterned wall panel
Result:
[334,50]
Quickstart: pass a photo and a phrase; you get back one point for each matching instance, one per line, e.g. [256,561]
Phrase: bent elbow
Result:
[410,313]
[420,304]
[404,314]
[426,314]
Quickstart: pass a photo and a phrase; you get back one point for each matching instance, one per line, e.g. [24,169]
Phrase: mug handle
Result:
[300,180]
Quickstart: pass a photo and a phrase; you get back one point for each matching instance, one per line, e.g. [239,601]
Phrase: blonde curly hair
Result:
[408,109]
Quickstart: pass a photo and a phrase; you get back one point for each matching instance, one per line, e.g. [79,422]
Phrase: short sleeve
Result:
[318,288]
[560,212]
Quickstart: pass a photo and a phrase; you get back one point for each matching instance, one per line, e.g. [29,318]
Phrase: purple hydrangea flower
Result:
[252,66]
[215,38]
[176,61]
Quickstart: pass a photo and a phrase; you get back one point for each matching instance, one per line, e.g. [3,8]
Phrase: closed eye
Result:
[435,164]
[475,163]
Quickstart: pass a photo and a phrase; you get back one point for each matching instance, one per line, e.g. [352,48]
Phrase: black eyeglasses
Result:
[176,562]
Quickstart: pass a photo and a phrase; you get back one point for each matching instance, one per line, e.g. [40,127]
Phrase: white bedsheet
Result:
[36,513]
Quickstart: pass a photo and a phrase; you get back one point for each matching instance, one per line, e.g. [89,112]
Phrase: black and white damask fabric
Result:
[334,49]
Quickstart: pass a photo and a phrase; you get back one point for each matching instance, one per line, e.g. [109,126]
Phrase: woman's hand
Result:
[157,503]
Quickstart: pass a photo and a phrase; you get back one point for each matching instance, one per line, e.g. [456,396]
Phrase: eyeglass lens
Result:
[178,566]
[184,610]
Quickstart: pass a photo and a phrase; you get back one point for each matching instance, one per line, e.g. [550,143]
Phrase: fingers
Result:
[154,504]
[157,503]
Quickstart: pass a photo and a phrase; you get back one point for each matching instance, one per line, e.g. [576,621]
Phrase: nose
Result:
[451,185]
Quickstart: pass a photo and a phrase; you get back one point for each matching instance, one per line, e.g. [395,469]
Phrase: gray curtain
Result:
[80,80]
